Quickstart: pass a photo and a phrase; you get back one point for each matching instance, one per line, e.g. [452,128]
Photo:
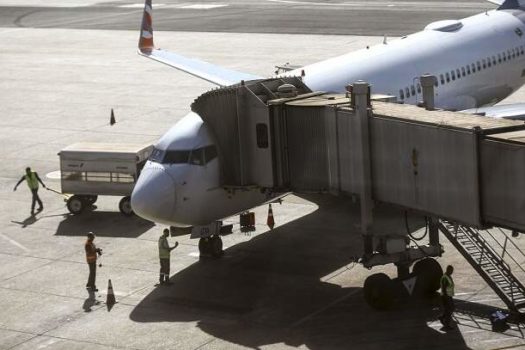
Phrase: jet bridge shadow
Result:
[103,224]
[297,284]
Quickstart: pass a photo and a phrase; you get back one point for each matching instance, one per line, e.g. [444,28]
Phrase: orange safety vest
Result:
[91,252]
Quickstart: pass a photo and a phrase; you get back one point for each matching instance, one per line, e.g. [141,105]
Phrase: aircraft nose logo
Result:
[153,197]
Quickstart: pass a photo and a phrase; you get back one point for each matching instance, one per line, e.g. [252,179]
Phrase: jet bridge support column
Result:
[360,92]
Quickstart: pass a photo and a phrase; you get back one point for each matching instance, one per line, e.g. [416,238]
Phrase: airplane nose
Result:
[153,197]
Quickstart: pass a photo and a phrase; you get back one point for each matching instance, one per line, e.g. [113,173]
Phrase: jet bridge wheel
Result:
[125,206]
[428,272]
[379,291]
[75,204]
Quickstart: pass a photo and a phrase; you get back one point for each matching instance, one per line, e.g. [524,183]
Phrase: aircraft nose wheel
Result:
[211,246]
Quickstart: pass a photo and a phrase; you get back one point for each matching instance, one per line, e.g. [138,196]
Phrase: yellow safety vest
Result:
[164,248]
[32,181]
[450,285]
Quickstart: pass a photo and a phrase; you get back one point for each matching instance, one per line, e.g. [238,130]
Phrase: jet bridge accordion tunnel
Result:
[280,136]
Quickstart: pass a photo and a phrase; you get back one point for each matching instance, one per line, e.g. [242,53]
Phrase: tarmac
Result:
[296,286]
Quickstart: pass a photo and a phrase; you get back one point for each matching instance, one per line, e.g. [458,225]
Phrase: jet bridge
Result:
[456,168]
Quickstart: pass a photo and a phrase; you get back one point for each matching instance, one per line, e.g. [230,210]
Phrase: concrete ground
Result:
[296,286]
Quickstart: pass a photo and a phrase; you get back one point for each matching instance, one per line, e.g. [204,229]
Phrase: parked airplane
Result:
[478,61]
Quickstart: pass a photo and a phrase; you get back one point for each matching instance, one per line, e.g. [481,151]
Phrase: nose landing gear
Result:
[211,246]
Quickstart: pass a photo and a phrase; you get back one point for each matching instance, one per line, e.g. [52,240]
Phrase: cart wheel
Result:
[91,199]
[125,206]
[75,205]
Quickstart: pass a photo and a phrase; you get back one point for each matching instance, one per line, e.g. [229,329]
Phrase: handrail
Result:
[507,239]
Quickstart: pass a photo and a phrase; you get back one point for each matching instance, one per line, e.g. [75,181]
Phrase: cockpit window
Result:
[176,157]
[198,156]
[156,155]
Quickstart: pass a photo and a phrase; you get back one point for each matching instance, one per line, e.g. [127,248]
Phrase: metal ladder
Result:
[490,265]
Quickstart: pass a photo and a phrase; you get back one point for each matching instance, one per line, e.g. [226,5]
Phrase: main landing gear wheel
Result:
[75,204]
[379,291]
[211,246]
[428,272]
[90,199]
[125,206]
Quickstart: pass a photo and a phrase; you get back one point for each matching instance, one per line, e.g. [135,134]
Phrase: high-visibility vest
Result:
[450,285]
[32,181]
[91,252]
[164,248]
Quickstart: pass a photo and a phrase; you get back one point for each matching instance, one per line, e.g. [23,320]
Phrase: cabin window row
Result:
[466,70]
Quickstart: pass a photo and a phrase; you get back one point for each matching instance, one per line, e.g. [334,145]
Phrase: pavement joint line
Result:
[96,18]
[206,343]
[321,310]
[40,293]
[14,242]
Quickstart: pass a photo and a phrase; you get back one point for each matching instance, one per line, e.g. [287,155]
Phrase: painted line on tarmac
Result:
[13,242]
[382,4]
[323,309]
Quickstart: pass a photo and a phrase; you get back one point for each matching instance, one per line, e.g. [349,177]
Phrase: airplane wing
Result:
[204,70]
[514,111]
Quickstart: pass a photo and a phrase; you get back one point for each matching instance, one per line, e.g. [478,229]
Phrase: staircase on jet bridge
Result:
[490,265]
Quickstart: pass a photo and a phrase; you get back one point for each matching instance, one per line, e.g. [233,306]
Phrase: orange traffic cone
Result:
[110,299]
[112,118]
[270,222]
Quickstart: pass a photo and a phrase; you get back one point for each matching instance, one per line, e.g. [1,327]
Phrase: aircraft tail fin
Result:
[146,44]
[204,70]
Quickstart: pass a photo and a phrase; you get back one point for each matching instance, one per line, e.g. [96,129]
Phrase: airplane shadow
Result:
[108,224]
[274,289]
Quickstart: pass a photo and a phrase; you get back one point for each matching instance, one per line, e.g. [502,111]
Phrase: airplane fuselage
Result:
[478,61]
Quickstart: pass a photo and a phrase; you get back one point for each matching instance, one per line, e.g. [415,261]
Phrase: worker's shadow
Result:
[284,287]
[90,301]
[30,220]
[109,224]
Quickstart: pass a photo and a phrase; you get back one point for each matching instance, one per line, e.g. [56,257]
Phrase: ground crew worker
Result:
[32,179]
[91,257]
[447,293]
[164,257]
